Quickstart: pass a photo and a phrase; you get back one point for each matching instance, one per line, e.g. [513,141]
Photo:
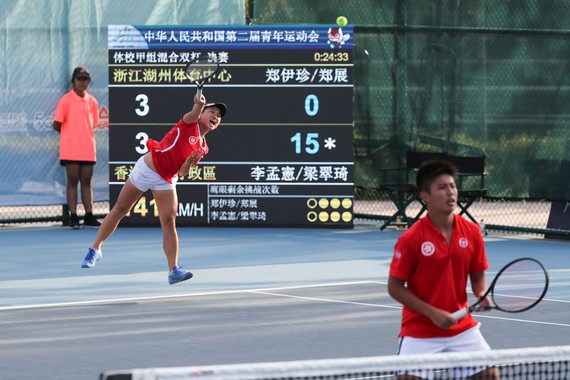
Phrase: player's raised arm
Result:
[193,115]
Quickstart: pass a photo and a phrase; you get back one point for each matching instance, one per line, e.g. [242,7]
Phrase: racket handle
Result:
[199,93]
[460,313]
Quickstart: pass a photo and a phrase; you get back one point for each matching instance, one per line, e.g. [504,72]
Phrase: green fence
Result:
[466,78]
[469,78]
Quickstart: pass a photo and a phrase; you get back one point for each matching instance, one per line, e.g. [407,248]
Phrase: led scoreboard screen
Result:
[283,154]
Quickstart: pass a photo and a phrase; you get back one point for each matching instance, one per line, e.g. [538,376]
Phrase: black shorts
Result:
[80,163]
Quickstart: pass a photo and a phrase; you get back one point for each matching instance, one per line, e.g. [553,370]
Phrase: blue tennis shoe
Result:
[178,275]
[91,259]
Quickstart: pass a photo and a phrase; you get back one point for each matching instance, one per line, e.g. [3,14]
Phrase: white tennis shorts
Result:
[144,178]
[470,340]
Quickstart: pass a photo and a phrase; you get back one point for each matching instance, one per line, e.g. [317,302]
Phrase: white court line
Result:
[544,299]
[523,320]
[272,292]
[399,307]
[134,299]
[327,300]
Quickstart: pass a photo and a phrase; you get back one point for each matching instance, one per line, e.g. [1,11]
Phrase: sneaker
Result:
[74,222]
[91,259]
[90,221]
[178,275]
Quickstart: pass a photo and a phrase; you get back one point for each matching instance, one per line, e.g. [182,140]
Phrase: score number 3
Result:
[142,111]
[143,105]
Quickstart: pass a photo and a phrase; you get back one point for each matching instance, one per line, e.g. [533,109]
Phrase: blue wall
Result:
[38,60]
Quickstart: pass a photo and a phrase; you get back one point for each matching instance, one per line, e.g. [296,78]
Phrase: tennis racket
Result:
[200,70]
[519,286]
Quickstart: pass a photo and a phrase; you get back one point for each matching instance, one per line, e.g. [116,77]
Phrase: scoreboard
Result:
[283,154]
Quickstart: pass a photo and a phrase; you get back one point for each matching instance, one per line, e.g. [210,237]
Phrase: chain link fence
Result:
[464,78]
[477,78]
[42,42]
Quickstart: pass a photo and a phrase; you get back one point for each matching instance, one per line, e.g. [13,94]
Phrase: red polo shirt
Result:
[437,272]
[169,154]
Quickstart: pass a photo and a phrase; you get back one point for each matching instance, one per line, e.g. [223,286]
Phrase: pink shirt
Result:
[437,272]
[78,116]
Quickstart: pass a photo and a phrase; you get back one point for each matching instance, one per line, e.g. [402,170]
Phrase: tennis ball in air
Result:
[341,21]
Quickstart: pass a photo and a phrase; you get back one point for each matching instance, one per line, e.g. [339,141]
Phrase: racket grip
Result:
[199,93]
[460,313]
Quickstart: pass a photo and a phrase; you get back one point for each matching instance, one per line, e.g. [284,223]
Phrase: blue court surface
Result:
[258,294]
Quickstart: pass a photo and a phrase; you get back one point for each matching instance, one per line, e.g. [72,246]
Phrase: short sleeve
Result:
[403,259]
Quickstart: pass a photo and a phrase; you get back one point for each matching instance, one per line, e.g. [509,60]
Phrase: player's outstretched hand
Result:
[192,160]
[201,100]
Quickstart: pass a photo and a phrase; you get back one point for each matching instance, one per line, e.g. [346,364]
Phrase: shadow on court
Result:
[258,295]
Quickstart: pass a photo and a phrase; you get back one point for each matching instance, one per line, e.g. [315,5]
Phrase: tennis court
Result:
[258,295]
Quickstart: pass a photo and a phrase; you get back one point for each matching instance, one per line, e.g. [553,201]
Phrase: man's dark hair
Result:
[430,170]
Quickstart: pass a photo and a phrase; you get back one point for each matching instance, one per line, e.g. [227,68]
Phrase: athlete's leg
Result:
[85,176]
[167,204]
[72,174]
[127,197]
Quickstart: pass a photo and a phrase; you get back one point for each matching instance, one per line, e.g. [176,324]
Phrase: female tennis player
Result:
[158,170]
[428,274]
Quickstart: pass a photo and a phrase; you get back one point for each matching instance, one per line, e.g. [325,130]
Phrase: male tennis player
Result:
[429,270]
[180,149]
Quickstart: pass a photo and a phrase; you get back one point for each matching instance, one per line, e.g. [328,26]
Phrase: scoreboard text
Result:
[283,154]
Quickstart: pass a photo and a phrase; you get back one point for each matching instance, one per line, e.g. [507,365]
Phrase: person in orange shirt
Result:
[76,114]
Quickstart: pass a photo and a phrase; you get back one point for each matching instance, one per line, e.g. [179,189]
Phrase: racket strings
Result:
[199,71]
[520,286]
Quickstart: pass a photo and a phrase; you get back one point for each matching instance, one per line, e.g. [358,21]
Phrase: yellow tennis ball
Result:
[341,21]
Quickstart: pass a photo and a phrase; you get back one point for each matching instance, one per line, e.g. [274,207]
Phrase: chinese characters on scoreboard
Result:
[302,173]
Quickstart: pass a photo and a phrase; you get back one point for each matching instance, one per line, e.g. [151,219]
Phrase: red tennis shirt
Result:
[437,272]
[175,147]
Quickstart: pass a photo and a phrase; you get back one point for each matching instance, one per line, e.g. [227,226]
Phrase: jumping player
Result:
[158,170]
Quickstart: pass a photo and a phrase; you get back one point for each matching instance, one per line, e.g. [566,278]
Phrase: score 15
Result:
[311,143]
[311,140]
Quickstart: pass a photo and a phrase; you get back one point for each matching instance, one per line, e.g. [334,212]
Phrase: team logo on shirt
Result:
[463,242]
[397,254]
[428,248]
[193,140]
